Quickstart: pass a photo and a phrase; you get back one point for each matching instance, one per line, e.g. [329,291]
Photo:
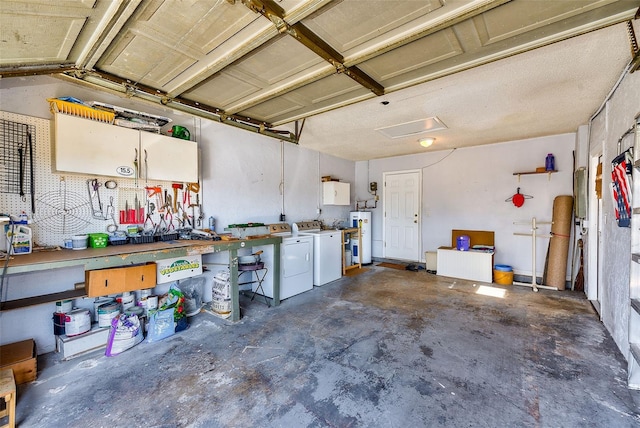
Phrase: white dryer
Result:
[327,251]
[296,262]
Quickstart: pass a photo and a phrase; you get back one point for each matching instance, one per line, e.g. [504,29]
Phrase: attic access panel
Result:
[416,127]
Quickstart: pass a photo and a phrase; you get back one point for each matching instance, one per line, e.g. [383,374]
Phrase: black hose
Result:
[32,184]
[21,167]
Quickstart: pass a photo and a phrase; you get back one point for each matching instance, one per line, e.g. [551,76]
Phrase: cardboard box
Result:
[178,268]
[21,357]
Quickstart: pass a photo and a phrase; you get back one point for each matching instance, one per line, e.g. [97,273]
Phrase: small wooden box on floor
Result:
[21,357]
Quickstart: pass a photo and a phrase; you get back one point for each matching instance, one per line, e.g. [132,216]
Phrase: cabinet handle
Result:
[106,283]
[142,278]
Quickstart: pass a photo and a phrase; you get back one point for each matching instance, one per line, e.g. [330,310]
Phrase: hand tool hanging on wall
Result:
[176,186]
[151,207]
[93,188]
[112,214]
[157,192]
[200,213]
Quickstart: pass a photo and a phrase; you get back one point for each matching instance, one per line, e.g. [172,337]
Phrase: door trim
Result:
[592,264]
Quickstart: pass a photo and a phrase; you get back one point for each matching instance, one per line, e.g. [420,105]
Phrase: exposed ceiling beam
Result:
[116,84]
[219,62]
[32,70]
[272,11]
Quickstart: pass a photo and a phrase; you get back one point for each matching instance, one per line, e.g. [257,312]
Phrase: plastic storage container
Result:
[98,240]
[550,163]
[20,238]
[462,243]
[503,274]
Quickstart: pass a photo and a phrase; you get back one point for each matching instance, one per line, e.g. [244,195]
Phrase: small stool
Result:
[258,268]
[8,392]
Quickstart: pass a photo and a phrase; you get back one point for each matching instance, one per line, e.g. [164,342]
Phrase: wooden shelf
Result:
[354,234]
[534,173]
[45,298]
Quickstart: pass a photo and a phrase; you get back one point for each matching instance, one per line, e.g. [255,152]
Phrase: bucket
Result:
[463,243]
[503,274]
[77,322]
[64,306]
[58,323]
[127,300]
[20,238]
[348,261]
[106,313]
[99,302]
[79,242]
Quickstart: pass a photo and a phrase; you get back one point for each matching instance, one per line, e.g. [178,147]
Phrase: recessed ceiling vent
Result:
[429,124]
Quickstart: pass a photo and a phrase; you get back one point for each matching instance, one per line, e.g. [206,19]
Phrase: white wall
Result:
[241,182]
[467,189]
[607,128]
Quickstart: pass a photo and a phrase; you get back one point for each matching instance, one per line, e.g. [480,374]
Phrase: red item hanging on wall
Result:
[518,198]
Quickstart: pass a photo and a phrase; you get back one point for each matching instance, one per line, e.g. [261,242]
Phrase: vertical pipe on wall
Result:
[282,214]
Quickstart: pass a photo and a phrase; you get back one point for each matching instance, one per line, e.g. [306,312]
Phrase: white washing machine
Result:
[296,262]
[327,251]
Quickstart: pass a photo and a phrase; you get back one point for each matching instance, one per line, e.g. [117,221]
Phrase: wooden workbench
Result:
[131,254]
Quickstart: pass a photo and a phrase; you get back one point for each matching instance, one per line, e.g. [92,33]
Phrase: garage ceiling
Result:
[490,70]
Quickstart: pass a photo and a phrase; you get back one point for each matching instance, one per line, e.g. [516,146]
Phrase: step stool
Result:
[8,392]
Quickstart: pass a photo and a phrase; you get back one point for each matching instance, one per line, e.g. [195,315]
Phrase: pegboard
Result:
[64,203]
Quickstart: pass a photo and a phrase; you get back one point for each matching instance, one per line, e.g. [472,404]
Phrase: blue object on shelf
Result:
[550,163]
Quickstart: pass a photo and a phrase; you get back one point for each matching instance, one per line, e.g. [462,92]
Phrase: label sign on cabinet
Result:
[125,171]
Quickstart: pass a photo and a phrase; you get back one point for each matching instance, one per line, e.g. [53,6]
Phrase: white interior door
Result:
[401,205]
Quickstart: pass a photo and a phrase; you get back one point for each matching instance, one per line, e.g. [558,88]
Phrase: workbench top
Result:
[128,254]
[131,254]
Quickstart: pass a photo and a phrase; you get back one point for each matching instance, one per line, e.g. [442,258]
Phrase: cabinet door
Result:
[169,159]
[102,282]
[89,147]
[336,193]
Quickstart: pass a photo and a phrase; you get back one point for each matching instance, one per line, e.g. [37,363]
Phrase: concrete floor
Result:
[386,348]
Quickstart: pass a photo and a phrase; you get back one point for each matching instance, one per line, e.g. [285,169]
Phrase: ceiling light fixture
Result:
[426,142]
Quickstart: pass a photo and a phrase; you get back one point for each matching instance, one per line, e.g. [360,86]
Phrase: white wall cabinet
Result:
[336,193]
[168,158]
[89,147]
